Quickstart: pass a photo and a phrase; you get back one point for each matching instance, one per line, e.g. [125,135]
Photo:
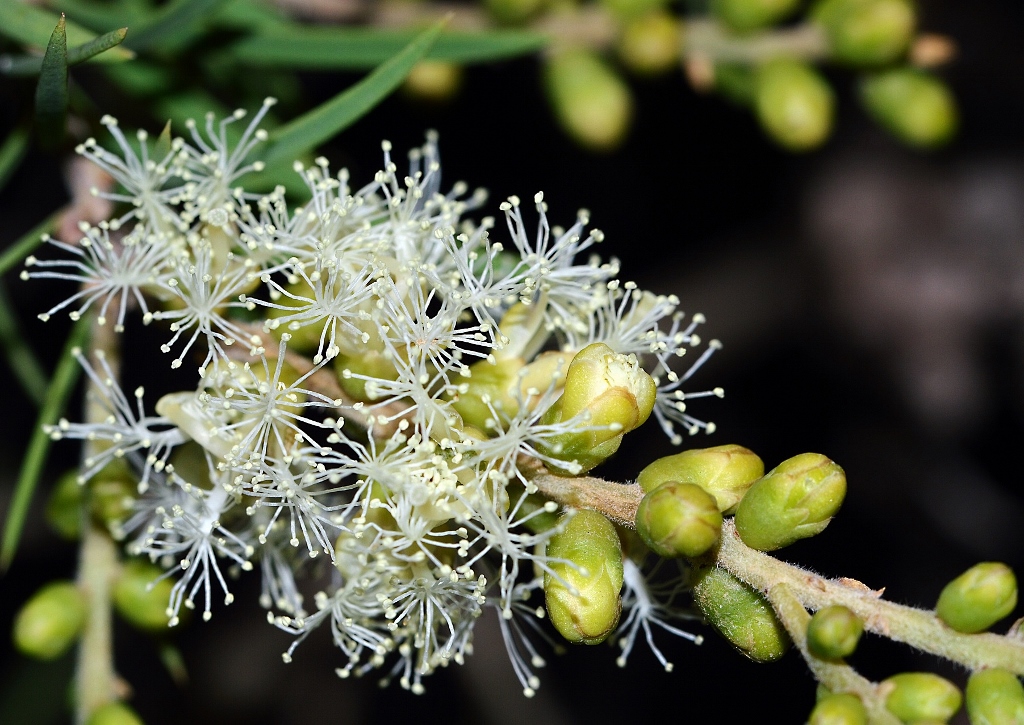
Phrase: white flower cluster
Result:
[375,373]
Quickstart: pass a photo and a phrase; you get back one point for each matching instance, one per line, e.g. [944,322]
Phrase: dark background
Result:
[869,299]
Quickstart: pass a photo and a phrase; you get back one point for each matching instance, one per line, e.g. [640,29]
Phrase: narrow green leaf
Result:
[177,22]
[313,128]
[63,382]
[338,48]
[52,90]
[31,25]
[31,65]
[17,252]
[20,358]
[12,152]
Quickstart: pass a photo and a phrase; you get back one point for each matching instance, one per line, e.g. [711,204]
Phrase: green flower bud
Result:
[140,598]
[842,709]
[794,104]
[591,101]
[111,500]
[679,519]
[867,32]
[650,44]
[371,363]
[740,614]
[435,81]
[726,472]
[915,696]
[64,507]
[490,385]
[582,590]
[114,713]
[978,598]
[608,395]
[746,15]
[833,632]
[913,105]
[50,621]
[513,12]
[794,500]
[994,697]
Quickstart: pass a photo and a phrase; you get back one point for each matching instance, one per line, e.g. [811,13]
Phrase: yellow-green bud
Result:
[433,80]
[978,598]
[915,696]
[913,105]
[50,621]
[679,519]
[726,472]
[591,101]
[740,614]
[513,12]
[64,507]
[111,500]
[489,386]
[582,590]
[650,44]
[114,713]
[140,598]
[841,709]
[794,104]
[833,632]
[608,394]
[372,363]
[867,32]
[994,697]
[794,500]
[746,15]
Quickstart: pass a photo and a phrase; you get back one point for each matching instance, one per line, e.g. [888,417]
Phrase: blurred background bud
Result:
[650,43]
[64,506]
[592,103]
[794,104]
[140,598]
[114,713]
[913,105]
[50,621]
[435,81]
[746,15]
[867,32]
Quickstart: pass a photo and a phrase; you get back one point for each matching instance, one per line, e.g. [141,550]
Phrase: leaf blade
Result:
[31,65]
[52,89]
[175,22]
[31,25]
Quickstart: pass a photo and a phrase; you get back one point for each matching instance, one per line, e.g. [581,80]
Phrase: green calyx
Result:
[793,501]
[51,621]
[582,588]
[921,696]
[833,632]
[140,598]
[726,472]
[794,104]
[679,519]
[746,15]
[114,713]
[592,102]
[978,598]
[913,105]
[867,32]
[840,709]
[994,697]
[740,614]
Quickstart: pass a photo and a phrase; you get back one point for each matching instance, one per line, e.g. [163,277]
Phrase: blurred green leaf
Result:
[52,90]
[316,126]
[175,23]
[22,361]
[30,25]
[62,383]
[31,65]
[340,48]
[12,152]
[14,254]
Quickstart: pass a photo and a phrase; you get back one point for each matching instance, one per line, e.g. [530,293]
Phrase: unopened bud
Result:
[371,363]
[64,507]
[140,598]
[740,614]
[582,587]
[833,632]
[591,101]
[650,44]
[913,105]
[921,696]
[978,598]
[794,500]
[679,519]
[726,472]
[50,621]
[994,697]
[513,12]
[489,398]
[114,713]
[867,32]
[794,104]
[841,709]
[435,81]
[746,15]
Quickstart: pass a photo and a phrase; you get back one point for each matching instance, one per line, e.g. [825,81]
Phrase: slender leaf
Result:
[28,242]
[12,152]
[63,382]
[177,22]
[20,358]
[31,25]
[31,65]
[313,128]
[337,48]
[52,90]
